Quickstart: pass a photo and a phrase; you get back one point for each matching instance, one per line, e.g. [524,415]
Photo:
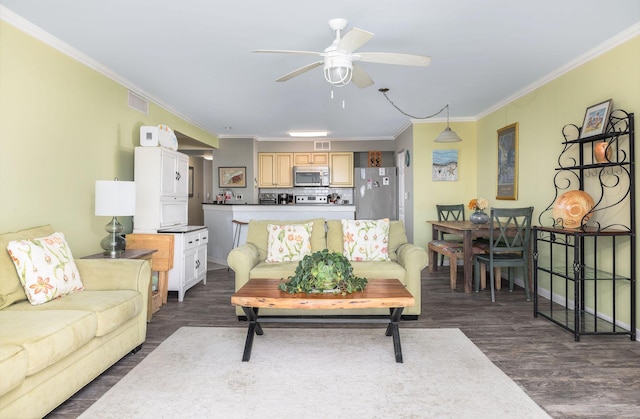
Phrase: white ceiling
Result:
[194,56]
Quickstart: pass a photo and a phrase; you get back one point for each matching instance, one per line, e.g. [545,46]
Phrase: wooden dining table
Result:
[469,232]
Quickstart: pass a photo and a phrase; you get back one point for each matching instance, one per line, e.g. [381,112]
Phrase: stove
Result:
[311,199]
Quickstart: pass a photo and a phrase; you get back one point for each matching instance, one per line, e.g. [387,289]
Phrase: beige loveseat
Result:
[50,351]
[407,261]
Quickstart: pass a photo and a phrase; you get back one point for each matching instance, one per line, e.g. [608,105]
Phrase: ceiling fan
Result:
[340,60]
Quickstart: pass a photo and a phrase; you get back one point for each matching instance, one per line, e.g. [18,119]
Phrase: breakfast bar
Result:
[218,219]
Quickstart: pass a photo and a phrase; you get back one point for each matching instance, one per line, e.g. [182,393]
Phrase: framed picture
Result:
[190,181]
[232,177]
[508,162]
[444,166]
[596,118]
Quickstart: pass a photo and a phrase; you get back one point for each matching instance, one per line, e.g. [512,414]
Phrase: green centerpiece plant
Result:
[324,271]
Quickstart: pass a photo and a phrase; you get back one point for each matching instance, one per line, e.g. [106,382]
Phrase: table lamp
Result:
[114,198]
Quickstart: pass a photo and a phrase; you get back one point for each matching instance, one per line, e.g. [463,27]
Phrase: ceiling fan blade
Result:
[393,58]
[286,51]
[354,39]
[301,70]
[360,77]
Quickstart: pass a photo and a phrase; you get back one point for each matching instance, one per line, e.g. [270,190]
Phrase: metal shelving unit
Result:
[589,270]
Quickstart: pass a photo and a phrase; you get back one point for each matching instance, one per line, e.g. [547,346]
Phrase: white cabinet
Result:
[162,189]
[175,171]
[162,193]
[189,261]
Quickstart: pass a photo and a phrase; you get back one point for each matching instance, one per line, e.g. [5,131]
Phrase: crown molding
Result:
[37,32]
[19,22]
[622,37]
[296,140]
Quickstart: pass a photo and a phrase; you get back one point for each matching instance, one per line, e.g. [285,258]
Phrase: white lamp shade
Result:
[114,198]
[447,136]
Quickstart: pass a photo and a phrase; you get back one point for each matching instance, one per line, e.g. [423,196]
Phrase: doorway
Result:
[200,176]
[401,185]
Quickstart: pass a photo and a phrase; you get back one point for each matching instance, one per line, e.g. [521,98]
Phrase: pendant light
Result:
[446,136]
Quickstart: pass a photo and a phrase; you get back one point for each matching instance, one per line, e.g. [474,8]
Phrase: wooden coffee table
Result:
[379,293]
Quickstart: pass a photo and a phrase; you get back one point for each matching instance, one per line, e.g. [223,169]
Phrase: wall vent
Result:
[138,103]
[321,145]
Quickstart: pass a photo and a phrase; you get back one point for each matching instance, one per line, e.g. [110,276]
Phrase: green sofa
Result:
[407,261]
[50,351]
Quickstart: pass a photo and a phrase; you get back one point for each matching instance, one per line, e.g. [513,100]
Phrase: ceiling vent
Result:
[321,145]
[138,103]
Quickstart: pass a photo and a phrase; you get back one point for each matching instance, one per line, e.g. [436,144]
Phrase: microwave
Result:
[310,176]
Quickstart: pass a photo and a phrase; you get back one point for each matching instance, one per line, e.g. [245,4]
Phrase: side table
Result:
[131,254]
[161,261]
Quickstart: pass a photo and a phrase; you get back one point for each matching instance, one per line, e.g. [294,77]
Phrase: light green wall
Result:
[428,193]
[62,127]
[541,114]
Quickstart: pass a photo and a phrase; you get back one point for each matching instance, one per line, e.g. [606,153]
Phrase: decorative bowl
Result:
[570,208]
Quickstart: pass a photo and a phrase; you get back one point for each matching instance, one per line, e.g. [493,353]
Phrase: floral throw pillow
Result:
[288,242]
[45,267]
[366,240]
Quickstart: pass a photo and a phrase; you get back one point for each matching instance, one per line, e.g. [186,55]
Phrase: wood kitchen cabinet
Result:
[311,159]
[341,170]
[275,170]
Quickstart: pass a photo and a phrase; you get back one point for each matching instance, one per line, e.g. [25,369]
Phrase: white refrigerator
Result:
[376,193]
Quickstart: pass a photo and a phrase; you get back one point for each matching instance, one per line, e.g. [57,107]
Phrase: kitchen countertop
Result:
[219,217]
[181,229]
[280,207]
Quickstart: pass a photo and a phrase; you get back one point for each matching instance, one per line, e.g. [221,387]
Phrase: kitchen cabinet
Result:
[162,189]
[275,170]
[589,271]
[189,260]
[341,170]
[311,159]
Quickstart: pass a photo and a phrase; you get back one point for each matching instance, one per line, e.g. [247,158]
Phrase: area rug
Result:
[315,373]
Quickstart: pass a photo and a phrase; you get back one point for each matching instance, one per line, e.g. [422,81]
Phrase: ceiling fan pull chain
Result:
[343,103]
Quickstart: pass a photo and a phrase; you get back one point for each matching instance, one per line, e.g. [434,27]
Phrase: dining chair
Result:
[508,247]
[448,246]
[454,212]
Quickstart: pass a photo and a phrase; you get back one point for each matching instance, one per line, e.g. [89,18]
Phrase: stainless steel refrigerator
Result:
[376,193]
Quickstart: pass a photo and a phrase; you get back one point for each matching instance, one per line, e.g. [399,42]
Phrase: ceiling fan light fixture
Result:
[338,70]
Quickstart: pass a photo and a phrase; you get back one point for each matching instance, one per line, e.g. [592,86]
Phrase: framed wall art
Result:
[444,165]
[232,177]
[508,163]
[596,118]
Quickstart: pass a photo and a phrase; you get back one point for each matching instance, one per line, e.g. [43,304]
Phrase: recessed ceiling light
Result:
[308,133]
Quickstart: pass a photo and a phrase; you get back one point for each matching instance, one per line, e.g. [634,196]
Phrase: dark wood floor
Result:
[598,377]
